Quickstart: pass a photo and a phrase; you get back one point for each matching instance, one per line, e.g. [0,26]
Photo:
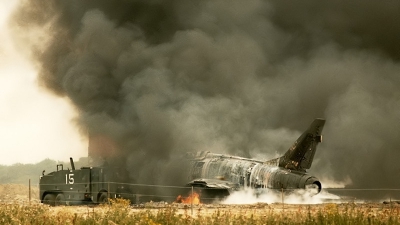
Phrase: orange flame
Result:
[193,198]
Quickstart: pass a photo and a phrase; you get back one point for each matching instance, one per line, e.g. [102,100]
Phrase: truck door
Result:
[97,184]
[77,185]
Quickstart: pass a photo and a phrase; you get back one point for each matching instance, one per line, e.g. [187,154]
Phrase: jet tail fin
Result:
[300,156]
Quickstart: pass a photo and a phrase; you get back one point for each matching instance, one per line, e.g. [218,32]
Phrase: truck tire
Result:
[49,199]
[60,199]
[103,198]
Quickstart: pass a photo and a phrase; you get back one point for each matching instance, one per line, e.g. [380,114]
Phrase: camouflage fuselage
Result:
[245,172]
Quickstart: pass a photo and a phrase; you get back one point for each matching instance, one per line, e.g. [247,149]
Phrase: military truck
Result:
[86,185]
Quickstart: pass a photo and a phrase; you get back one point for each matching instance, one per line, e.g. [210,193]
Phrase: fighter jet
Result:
[217,175]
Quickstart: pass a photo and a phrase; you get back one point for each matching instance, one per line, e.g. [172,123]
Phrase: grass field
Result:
[120,212]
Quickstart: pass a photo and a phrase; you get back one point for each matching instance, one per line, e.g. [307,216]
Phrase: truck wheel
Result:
[60,199]
[103,198]
[49,199]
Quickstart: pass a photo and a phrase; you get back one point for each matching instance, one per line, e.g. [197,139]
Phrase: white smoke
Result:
[250,196]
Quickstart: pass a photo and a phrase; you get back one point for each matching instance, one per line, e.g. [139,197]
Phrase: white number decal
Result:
[69,178]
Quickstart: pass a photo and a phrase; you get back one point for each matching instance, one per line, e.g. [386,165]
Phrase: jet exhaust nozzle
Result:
[311,183]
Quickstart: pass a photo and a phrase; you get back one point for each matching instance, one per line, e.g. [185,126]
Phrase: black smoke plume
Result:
[161,78]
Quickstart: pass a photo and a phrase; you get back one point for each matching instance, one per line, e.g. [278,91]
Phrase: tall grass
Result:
[120,212]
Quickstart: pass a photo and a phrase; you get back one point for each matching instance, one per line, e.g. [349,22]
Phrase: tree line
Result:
[21,173]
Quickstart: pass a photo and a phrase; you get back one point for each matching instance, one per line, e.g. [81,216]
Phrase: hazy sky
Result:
[33,123]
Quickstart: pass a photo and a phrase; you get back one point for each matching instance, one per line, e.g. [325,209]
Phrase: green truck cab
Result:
[81,186]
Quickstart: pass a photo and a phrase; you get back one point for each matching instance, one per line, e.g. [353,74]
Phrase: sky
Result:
[33,122]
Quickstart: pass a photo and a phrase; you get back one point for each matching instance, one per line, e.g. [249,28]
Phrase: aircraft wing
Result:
[213,183]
